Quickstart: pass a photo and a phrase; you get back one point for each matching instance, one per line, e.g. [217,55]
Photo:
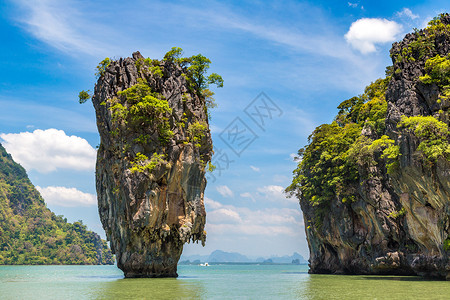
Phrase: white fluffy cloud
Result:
[211,204]
[225,191]
[229,219]
[67,197]
[407,13]
[275,193]
[272,190]
[224,216]
[49,150]
[365,33]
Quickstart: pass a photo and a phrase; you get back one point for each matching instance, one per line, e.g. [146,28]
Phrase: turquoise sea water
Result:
[213,282]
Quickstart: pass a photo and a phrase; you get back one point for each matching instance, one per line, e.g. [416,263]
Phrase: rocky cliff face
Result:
[155,144]
[396,222]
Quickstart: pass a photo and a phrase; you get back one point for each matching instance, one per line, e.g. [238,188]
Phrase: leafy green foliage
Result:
[364,149]
[83,96]
[197,131]
[142,108]
[156,70]
[141,163]
[438,71]
[31,234]
[391,153]
[424,43]
[329,163]
[210,167]
[195,72]
[368,109]
[433,135]
[208,96]
[101,68]
[216,79]
[324,171]
[199,65]
[174,55]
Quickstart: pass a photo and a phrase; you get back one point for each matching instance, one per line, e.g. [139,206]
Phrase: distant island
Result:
[30,234]
[219,256]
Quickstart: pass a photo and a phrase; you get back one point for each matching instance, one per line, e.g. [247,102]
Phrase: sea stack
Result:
[374,185]
[150,173]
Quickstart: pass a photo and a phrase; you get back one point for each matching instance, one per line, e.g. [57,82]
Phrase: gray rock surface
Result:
[149,215]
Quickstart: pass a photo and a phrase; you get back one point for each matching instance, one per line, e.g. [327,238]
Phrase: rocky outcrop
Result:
[155,143]
[398,223]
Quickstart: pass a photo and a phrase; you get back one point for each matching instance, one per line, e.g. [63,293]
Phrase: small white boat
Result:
[204,265]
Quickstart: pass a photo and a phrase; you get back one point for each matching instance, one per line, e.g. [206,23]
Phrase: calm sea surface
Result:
[213,282]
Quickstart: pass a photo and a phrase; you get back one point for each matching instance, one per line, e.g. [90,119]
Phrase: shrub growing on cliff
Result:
[438,70]
[329,168]
[433,136]
[141,163]
[197,132]
[363,152]
[83,96]
[196,68]
[101,68]
[424,43]
[174,55]
[143,107]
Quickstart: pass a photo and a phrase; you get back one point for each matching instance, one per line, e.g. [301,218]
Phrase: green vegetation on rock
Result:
[83,96]
[101,68]
[31,234]
[330,162]
[424,43]
[432,134]
[195,69]
[142,108]
[141,163]
[329,167]
[197,132]
[368,181]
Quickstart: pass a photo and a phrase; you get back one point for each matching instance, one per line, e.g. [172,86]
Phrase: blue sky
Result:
[306,56]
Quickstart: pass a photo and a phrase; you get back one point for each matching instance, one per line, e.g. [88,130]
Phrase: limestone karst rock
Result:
[375,221]
[150,173]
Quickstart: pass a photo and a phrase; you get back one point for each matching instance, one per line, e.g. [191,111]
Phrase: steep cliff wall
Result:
[155,145]
[382,205]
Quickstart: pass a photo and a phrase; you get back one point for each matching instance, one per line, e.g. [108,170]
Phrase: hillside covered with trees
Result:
[33,235]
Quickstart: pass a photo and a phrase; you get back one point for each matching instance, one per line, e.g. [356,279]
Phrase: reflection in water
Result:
[370,287]
[151,288]
[214,282]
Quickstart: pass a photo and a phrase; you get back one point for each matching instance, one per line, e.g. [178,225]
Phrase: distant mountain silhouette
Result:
[230,257]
